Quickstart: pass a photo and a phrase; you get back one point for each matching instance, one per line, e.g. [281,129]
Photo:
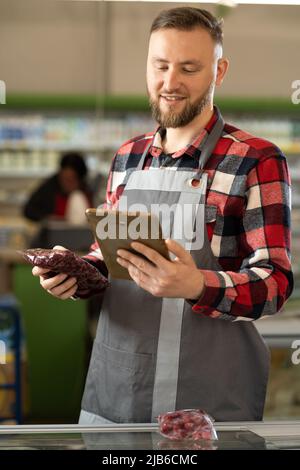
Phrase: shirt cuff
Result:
[218,294]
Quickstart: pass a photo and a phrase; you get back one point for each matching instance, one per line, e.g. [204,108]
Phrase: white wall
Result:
[59,46]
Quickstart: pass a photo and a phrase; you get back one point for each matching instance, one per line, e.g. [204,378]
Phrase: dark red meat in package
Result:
[90,281]
[187,424]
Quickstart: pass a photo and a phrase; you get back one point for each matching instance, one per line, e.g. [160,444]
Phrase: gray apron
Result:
[152,355]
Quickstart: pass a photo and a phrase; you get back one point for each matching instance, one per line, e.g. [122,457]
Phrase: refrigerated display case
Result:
[231,436]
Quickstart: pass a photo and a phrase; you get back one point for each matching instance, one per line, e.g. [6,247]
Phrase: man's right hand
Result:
[60,286]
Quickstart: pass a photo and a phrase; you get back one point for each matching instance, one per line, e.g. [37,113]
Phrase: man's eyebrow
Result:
[191,62]
[159,59]
[184,62]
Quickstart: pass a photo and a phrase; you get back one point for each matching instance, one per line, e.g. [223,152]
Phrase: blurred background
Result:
[75,83]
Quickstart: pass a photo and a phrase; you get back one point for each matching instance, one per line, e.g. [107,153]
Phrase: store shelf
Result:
[60,146]
[26,173]
[279,332]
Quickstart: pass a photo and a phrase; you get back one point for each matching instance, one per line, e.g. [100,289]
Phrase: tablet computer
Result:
[115,229]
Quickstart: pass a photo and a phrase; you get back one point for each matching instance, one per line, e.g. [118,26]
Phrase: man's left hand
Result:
[163,278]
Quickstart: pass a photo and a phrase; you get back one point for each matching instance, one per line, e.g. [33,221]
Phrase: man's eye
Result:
[189,70]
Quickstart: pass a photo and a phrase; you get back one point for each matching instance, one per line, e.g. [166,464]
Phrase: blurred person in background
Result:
[63,196]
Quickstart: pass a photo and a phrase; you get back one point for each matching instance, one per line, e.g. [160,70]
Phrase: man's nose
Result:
[171,82]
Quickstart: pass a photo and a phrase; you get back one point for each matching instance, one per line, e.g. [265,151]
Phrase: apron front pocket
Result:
[126,392]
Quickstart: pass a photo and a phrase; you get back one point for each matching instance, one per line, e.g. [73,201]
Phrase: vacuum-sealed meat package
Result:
[187,424]
[89,279]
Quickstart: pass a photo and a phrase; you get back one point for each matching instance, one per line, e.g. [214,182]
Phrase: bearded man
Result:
[173,336]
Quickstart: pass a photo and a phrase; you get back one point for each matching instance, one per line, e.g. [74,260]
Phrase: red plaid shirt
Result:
[247,219]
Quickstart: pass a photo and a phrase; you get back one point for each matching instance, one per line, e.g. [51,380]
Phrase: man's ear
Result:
[222,68]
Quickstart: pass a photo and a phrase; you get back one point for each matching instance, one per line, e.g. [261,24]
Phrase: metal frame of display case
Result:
[262,428]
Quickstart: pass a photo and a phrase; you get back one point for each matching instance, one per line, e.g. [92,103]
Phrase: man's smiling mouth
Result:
[172,97]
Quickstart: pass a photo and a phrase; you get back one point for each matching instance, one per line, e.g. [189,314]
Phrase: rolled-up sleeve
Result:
[265,280]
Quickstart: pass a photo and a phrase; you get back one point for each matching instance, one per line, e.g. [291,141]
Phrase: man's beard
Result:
[180,119]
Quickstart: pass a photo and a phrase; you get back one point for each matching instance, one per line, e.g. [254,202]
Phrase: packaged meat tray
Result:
[190,424]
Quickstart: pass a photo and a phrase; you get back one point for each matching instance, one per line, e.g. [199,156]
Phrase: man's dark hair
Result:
[187,19]
[75,161]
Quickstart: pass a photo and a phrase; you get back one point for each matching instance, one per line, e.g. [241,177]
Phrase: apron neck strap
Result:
[206,149]
[140,165]
[143,158]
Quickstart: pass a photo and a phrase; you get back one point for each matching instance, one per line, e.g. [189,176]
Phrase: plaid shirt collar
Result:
[190,150]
